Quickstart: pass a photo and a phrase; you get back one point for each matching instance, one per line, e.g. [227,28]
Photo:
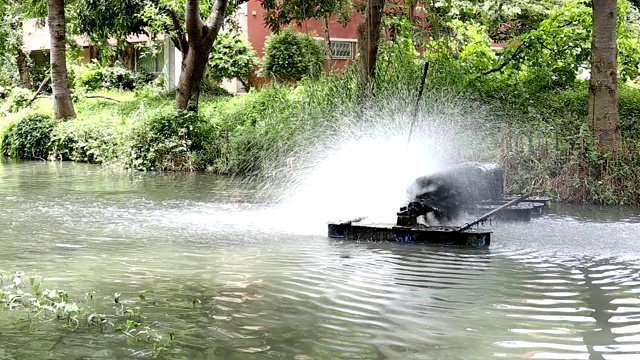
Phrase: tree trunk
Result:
[21,58]
[193,65]
[62,103]
[411,10]
[327,43]
[200,37]
[604,107]
[23,69]
[368,36]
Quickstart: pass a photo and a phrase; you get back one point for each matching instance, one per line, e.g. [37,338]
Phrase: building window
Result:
[342,49]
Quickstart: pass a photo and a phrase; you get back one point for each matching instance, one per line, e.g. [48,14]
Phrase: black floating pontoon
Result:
[438,235]
[474,189]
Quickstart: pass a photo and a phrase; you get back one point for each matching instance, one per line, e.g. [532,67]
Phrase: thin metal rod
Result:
[512,202]
[417,105]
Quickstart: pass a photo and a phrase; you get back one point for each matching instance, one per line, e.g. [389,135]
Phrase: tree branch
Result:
[40,88]
[498,68]
[215,20]
[193,21]
[91,96]
[179,40]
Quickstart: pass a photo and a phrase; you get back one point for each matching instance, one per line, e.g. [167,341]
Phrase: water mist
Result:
[367,169]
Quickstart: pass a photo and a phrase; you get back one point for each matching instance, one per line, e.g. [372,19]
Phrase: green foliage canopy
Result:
[281,13]
[11,36]
[552,54]
[503,19]
[104,19]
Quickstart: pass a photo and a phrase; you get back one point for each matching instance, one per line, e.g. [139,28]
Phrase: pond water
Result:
[237,279]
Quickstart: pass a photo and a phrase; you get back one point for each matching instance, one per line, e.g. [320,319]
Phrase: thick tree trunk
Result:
[63,105]
[200,37]
[327,43]
[604,108]
[194,66]
[368,37]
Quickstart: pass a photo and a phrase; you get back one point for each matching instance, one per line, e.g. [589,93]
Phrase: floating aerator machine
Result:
[438,199]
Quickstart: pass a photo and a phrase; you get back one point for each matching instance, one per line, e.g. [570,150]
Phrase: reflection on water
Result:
[565,286]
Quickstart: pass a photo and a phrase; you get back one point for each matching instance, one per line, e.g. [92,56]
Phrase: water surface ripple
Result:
[235,281]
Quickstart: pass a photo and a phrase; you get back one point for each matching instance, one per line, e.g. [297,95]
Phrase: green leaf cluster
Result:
[94,76]
[232,56]
[283,13]
[104,19]
[291,55]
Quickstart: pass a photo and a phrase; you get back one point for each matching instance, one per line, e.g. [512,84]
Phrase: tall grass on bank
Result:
[570,168]
[547,147]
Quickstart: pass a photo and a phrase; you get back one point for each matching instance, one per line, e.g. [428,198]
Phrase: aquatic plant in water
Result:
[33,302]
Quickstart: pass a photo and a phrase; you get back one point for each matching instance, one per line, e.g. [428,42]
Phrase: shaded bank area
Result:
[538,135]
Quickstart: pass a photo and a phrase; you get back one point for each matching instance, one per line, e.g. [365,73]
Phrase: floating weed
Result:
[195,302]
[32,301]
[145,334]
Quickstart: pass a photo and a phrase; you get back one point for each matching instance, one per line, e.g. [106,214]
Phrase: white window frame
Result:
[352,42]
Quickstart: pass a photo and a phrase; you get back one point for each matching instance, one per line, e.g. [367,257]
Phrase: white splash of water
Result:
[368,176]
[364,177]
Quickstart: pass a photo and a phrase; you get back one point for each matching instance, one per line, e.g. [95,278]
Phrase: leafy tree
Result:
[232,56]
[281,13]
[551,55]
[503,19]
[200,36]
[63,105]
[193,27]
[557,49]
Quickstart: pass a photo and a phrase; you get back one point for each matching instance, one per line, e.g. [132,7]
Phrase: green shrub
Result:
[8,71]
[630,111]
[29,137]
[93,76]
[232,56]
[175,141]
[87,140]
[118,77]
[87,77]
[209,89]
[18,98]
[256,128]
[290,55]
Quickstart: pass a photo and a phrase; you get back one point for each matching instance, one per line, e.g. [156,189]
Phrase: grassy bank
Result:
[540,137]
[546,145]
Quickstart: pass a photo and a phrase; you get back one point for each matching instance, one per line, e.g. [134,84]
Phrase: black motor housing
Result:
[448,192]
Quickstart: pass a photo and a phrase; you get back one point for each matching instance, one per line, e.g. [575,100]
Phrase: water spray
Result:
[417,105]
